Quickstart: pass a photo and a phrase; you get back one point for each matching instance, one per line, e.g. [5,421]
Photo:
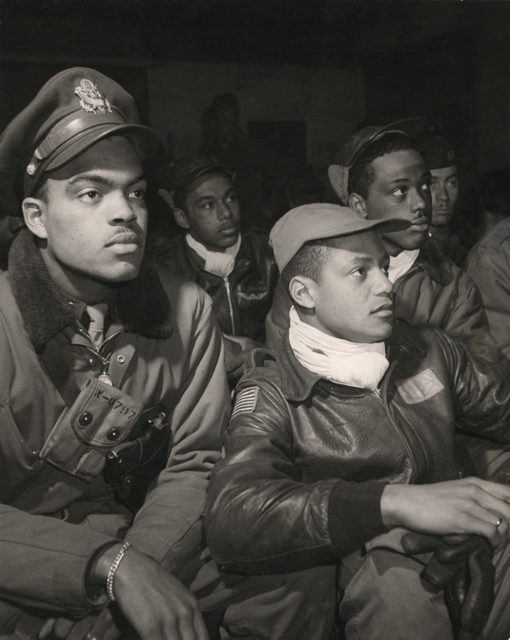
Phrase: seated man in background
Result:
[493,199]
[488,264]
[340,450]
[261,170]
[236,269]
[109,375]
[450,232]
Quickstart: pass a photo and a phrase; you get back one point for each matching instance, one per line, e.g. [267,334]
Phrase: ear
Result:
[358,205]
[180,218]
[34,213]
[301,290]
[336,175]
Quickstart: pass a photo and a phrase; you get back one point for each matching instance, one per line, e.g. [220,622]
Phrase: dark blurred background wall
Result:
[306,72]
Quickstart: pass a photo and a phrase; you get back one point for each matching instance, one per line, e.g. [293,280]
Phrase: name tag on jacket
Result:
[421,387]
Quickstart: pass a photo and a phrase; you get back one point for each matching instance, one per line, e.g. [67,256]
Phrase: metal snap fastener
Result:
[121,358]
[91,361]
[85,418]
[113,434]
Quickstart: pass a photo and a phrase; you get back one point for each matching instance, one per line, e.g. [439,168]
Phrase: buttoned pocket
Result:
[101,418]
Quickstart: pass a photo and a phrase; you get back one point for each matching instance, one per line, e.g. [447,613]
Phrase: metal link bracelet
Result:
[113,570]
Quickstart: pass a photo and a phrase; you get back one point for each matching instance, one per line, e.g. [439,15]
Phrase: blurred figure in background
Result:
[488,264]
[304,187]
[236,269]
[494,199]
[260,171]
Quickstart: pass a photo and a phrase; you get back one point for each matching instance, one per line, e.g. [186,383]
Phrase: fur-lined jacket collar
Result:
[142,303]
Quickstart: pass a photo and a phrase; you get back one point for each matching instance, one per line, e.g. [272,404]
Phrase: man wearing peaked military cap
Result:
[75,109]
[113,383]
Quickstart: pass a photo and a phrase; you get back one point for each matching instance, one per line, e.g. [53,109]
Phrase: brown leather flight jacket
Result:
[241,301]
[307,459]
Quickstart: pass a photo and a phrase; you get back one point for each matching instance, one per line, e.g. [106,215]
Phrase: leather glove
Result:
[462,566]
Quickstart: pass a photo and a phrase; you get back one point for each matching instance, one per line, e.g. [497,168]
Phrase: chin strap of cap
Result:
[65,133]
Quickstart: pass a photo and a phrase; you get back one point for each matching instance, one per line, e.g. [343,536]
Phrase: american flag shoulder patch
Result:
[246,401]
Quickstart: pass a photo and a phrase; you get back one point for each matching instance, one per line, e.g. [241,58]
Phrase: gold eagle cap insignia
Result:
[91,98]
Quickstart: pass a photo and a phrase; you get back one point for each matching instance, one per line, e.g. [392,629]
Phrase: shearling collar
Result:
[142,304]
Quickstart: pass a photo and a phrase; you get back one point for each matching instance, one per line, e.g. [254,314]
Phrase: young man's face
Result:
[212,213]
[353,299]
[444,187]
[401,189]
[94,217]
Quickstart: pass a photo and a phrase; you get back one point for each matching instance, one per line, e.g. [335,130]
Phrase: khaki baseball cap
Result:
[319,221]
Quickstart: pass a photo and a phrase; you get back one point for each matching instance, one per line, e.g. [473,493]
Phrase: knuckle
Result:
[183,610]
[474,492]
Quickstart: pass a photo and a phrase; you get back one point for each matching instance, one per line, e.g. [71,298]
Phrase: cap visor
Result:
[145,140]
[411,127]
[361,225]
[203,176]
[389,225]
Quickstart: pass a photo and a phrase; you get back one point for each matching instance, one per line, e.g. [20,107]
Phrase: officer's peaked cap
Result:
[74,109]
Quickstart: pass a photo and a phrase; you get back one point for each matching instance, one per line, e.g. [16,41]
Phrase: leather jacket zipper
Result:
[382,395]
[230,305]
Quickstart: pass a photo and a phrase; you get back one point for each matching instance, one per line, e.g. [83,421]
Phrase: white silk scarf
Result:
[221,263]
[351,363]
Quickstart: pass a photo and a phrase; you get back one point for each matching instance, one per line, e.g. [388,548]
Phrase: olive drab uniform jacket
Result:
[489,265]
[56,508]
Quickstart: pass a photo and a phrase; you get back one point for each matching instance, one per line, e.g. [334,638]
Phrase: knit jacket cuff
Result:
[355,514]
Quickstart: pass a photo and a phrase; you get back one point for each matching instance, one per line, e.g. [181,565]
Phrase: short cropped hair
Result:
[180,194]
[180,199]
[42,192]
[308,261]
[362,174]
